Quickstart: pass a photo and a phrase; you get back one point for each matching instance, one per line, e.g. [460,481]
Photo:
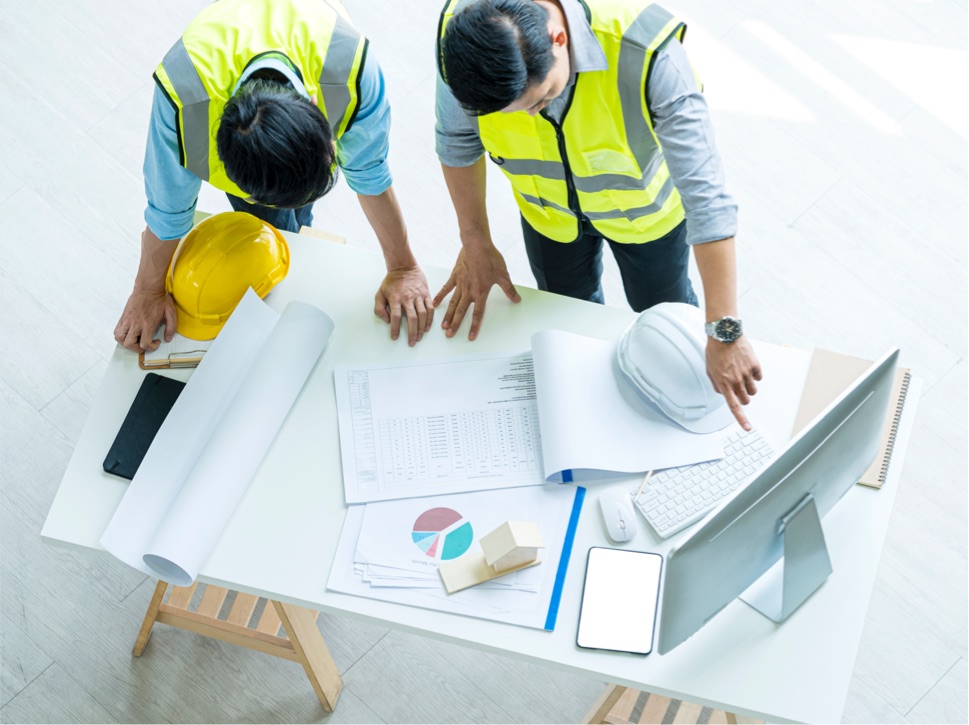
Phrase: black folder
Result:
[154,400]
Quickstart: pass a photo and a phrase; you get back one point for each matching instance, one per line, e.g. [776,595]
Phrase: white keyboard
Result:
[674,498]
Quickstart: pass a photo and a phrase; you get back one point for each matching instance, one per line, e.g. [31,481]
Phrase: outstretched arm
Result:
[732,366]
[479,265]
[171,192]
[683,125]
[403,292]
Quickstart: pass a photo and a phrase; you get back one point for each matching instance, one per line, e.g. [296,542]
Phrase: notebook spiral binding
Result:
[896,418]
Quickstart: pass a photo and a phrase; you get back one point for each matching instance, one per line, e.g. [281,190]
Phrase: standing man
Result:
[592,111]
[266,100]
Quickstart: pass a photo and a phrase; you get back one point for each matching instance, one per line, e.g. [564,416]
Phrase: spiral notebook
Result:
[829,374]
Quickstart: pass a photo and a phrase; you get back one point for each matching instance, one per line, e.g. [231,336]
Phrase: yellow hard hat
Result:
[216,262]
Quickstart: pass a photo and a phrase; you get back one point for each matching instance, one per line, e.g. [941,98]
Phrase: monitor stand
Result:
[803,568]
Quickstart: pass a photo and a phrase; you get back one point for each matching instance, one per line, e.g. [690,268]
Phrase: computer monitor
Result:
[738,548]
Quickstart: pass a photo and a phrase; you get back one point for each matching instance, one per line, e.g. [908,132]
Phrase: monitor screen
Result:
[738,548]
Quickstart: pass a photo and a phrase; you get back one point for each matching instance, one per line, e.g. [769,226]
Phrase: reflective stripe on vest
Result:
[338,66]
[318,40]
[194,138]
[612,162]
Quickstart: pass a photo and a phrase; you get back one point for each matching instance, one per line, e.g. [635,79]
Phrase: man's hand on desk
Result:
[733,369]
[142,314]
[472,278]
[404,294]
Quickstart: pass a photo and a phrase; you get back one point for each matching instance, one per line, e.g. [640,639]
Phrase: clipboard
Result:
[181,352]
[174,360]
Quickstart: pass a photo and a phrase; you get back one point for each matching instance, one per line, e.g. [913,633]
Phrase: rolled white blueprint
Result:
[214,439]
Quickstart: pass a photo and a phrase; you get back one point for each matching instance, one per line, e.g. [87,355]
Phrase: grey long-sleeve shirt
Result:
[681,121]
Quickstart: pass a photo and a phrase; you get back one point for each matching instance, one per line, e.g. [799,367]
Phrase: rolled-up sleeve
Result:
[682,123]
[362,151]
[171,189]
[456,139]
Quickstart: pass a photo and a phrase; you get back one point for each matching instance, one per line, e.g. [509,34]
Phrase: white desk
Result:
[740,661]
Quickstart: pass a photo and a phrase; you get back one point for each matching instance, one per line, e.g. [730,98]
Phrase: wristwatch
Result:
[726,329]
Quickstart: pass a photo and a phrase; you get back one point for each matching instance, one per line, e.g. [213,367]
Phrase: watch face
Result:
[728,329]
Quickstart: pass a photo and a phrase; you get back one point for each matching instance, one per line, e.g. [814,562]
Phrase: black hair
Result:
[276,145]
[492,50]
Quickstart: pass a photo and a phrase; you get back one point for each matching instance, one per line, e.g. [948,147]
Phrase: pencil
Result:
[646,478]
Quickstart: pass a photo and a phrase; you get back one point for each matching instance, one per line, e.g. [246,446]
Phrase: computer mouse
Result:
[618,514]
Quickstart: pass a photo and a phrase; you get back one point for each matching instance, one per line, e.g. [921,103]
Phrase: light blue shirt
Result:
[681,121]
[172,190]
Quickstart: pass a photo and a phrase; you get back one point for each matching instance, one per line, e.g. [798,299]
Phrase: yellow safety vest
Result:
[201,70]
[603,161]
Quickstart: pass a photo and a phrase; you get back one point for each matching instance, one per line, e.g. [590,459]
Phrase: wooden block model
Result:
[512,546]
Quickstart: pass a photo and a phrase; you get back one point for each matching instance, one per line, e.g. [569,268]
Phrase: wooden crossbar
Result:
[656,708]
[301,640]
[617,705]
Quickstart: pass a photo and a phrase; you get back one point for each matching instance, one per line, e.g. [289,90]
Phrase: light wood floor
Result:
[843,129]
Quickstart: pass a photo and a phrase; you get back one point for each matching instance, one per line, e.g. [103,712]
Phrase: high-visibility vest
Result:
[603,161]
[201,70]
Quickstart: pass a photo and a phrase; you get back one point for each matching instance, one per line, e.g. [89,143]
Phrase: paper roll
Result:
[213,441]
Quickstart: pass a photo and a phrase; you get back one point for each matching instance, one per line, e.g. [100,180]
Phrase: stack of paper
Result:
[391,550]
[434,534]
[438,426]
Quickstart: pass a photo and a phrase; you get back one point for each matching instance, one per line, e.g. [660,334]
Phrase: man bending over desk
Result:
[592,111]
[266,100]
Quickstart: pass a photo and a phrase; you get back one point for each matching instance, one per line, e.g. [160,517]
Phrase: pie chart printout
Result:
[442,533]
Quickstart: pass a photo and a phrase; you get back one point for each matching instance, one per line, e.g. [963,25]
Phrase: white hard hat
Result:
[663,355]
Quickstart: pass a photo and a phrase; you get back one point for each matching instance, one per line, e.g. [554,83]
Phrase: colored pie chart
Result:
[442,533]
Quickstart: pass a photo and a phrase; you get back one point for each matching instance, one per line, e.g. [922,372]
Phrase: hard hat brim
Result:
[194,329]
[710,423]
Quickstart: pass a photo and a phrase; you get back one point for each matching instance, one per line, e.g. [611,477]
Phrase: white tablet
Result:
[619,600]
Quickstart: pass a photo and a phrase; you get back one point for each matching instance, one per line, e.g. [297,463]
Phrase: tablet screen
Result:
[619,600]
